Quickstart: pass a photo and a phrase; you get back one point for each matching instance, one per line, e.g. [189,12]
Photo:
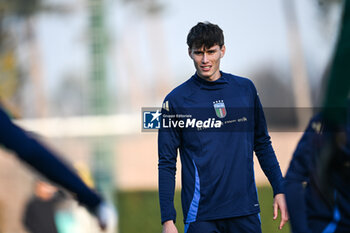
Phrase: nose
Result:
[205,58]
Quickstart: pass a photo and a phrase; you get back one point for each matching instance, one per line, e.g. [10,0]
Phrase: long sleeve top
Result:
[219,126]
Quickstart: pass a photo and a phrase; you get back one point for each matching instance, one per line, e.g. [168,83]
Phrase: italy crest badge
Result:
[220,109]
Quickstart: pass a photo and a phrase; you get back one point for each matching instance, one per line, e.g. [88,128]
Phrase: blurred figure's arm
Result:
[298,173]
[37,156]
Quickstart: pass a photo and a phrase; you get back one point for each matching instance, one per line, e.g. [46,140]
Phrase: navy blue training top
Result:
[310,209]
[37,156]
[217,162]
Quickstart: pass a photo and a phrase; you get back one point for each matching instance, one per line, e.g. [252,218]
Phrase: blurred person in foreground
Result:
[318,178]
[225,125]
[40,211]
[46,162]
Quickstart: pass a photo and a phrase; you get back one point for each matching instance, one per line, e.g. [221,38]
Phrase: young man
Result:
[216,121]
[322,162]
[43,160]
[322,157]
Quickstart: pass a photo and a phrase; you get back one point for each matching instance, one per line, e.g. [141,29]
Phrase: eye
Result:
[198,52]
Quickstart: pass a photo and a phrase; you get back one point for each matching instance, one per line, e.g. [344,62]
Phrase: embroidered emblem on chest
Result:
[220,109]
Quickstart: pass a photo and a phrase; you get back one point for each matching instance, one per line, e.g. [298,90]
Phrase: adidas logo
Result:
[166,106]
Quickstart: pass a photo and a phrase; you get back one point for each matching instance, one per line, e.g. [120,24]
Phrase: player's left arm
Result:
[268,161]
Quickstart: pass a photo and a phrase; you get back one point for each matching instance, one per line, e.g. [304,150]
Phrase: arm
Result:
[43,160]
[168,143]
[268,161]
[298,172]
[37,156]
[264,151]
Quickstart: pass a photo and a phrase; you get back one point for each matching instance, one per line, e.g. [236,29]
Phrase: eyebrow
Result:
[205,50]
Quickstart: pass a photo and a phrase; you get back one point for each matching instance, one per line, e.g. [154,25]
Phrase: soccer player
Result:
[216,121]
[39,157]
[323,205]
[322,157]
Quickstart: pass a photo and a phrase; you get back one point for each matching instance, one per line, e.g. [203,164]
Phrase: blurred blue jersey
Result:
[323,205]
[37,156]
[217,127]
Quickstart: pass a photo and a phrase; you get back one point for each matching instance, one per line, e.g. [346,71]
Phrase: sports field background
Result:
[139,212]
[135,162]
[78,72]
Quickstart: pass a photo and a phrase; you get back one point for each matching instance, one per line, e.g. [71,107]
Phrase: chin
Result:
[206,76]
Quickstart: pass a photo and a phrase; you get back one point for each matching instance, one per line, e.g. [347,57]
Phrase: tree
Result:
[19,14]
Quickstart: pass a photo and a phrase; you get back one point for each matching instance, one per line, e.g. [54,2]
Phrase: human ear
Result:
[223,50]
[190,53]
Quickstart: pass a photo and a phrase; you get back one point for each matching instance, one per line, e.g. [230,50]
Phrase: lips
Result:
[205,68]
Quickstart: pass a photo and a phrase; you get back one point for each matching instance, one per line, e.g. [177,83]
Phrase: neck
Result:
[212,78]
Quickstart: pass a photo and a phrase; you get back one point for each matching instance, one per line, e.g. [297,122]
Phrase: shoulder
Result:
[179,93]
[316,124]
[307,148]
[311,135]
[241,82]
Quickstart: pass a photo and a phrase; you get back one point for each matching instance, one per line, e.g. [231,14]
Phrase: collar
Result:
[214,85]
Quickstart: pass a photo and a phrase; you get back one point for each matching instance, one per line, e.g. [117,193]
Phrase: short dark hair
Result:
[205,33]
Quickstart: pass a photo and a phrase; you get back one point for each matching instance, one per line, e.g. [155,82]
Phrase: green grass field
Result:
[139,212]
